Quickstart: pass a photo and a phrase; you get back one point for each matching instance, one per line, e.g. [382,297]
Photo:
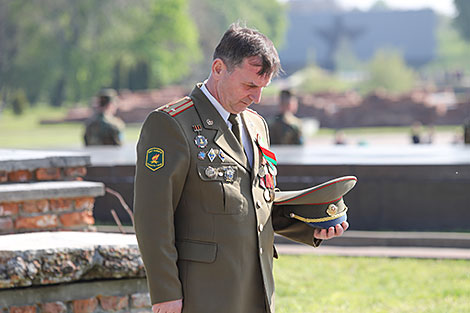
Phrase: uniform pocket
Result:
[220,189]
[197,251]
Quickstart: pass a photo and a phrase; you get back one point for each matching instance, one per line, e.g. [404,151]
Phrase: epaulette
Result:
[178,106]
[253,111]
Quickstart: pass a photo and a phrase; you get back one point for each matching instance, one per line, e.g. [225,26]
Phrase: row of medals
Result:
[267,178]
[227,172]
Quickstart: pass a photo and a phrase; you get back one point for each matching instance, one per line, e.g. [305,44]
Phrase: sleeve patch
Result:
[155,158]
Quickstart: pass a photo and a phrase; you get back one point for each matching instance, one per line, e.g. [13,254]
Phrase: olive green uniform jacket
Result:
[205,239]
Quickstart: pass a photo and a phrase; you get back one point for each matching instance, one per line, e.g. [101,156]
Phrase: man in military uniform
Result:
[104,128]
[286,129]
[204,189]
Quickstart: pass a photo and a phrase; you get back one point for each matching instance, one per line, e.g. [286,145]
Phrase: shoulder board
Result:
[178,106]
[252,111]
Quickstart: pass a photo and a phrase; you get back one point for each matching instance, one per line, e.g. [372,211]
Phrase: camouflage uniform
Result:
[102,129]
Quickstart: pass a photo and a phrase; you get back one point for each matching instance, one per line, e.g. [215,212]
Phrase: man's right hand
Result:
[168,307]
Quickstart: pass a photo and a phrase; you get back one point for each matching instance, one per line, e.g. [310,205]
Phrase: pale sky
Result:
[442,6]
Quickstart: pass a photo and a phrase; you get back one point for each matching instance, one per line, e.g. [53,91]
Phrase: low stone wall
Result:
[59,272]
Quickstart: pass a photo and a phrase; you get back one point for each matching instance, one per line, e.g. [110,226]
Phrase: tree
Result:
[462,20]
[388,71]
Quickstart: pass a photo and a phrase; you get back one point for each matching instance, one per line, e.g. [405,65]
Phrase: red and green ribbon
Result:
[268,155]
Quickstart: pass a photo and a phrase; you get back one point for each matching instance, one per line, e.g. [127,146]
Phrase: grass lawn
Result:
[26,131]
[331,284]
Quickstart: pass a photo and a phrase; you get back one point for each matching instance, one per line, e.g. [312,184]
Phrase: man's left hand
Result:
[331,232]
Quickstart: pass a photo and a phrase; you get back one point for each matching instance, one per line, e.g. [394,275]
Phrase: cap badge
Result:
[200,141]
[332,209]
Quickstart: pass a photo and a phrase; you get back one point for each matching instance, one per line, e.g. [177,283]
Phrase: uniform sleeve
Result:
[157,190]
[291,228]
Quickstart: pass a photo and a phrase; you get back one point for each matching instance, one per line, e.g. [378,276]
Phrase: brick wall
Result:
[42,174]
[137,302]
[47,214]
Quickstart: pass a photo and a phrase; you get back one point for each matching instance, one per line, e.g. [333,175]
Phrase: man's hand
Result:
[168,307]
[331,232]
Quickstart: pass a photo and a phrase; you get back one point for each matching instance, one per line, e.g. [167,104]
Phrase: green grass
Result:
[371,285]
[26,132]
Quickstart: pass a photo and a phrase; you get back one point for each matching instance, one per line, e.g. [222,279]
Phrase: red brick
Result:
[20,176]
[8,208]
[6,224]
[61,204]
[48,174]
[114,303]
[141,300]
[85,305]
[35,222]
[77,218]
[23,309]
[53,307]
[84,203]
[3,176]
[35,206]
[75,171]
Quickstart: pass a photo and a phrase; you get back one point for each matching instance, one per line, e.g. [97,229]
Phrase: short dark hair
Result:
[240,42]
[285,96]
[106,96]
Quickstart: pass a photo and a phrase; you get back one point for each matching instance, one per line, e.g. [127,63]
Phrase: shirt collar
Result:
[224,113]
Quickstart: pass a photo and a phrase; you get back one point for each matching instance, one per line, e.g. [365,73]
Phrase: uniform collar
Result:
[224,113]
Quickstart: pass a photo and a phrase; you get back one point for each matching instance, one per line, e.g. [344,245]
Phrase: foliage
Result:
[453,50]
[462,20]
[314,79]
[213,17]
[388,71]
[66,50]
[307,284]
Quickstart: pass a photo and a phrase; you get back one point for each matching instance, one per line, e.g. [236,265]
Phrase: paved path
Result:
[390,252]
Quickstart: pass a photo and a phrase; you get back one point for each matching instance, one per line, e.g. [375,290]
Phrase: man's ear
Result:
[218,68]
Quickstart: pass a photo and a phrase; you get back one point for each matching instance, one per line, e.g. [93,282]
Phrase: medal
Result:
[200,141]
[262,171]
[210,172]
[269,181]
[262,183]
[221,156]
[272,169]
[201,155]
[268,195]
[211,155]
[229,174]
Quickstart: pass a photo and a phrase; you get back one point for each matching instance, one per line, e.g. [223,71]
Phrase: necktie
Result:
[236,127]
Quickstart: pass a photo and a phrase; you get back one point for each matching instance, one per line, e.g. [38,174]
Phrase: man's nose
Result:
[255,95]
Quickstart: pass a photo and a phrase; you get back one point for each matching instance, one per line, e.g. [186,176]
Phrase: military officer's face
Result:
[238,89]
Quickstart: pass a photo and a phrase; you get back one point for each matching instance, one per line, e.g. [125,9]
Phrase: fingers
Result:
[331,232]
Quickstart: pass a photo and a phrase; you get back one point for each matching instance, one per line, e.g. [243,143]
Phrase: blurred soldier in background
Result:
[286,129]
[103,128]
[466,131]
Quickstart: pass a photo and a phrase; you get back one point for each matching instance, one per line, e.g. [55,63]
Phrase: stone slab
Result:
[321,155]
[13,160]
[35,259]
[67,292]
[50,190]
